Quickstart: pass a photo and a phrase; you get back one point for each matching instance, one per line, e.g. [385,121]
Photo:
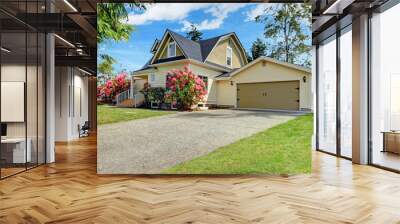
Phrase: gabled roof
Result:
[190,48]
[208,44]
[227,74]
[232,73]
[197,50]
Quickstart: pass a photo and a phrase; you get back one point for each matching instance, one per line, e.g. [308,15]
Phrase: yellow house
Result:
[231,80]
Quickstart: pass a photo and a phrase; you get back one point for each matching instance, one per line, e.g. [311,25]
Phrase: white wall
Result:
[211,97]
[70,83]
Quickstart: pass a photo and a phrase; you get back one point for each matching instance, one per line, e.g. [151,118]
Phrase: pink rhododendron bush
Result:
[107,92]
[185,88]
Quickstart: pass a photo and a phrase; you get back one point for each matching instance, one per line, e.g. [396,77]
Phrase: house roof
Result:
[197,50]
[208,44]
[227,74]
[263,58]
[145,66]
[190,48]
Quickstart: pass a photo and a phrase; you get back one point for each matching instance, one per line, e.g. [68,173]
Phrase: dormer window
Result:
[229,56]
[172,49]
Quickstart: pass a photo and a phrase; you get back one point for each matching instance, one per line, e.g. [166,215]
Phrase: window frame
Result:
[205,80]
[169,55]
[152,77]
[229,56]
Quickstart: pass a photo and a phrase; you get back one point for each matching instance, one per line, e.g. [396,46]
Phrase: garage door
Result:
[269,95]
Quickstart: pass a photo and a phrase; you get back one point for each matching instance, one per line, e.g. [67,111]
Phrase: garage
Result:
[266,83]
[269,95]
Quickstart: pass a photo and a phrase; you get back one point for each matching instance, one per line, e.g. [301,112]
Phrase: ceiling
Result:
[73,21]
[330,15]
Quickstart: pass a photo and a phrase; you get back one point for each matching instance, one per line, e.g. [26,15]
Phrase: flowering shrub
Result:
[113,87]
[184,87]
[156,94]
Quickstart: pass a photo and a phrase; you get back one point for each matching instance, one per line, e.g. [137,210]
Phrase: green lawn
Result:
[109,114]
[283,149]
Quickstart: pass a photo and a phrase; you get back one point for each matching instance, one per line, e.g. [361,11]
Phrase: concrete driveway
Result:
[148,146]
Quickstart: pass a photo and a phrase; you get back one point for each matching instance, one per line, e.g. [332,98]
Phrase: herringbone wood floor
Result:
[69,191]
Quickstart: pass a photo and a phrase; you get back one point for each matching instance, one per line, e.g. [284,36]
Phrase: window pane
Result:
[13,79]
[346,93]
[171,50]
[229,56]
[31,97]
[385,89]
[41,98]
[327,96]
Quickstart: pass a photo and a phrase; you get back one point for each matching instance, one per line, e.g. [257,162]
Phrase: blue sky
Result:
[212,19]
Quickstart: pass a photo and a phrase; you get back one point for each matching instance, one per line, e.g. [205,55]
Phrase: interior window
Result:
[172,49]
[229,56]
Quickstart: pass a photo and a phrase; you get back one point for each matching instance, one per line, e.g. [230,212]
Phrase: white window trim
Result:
[152,77]
[231,53]
[202,78]
[169,53]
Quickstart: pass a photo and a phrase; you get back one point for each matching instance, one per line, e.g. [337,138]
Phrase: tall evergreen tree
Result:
[258,49]
[110,21]
[287,28]
[248,56]
[111,26]
[194,34]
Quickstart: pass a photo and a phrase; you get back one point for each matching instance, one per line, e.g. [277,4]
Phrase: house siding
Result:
[226,94]
[164,51]
[218,55]
[161,74]
[270,72]
[211,97]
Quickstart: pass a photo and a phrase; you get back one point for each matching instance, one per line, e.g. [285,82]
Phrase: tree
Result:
[111,26]
[287,28]
[258,49]
[248,56]
[106,64]
[110,21]
[194,34]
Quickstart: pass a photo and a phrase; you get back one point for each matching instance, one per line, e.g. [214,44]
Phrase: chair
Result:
[84,130]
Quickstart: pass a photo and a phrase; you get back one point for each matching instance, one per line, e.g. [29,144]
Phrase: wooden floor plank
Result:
[70,191]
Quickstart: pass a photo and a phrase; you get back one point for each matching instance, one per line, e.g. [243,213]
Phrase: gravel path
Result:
[148,146]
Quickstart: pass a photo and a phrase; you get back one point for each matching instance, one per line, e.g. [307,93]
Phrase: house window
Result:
[171,49]
[205,80]
[229,56]
[152,77]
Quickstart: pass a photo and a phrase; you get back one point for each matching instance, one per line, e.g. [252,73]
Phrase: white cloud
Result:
[256,11]
[165,12]
[180,11]
[219,11]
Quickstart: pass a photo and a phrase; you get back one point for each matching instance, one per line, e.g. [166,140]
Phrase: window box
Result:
[155,105]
